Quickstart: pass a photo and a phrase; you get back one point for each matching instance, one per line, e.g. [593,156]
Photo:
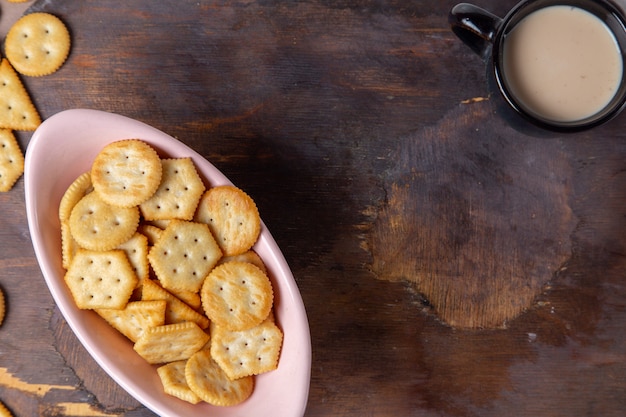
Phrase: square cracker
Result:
[171,342]
[136,317]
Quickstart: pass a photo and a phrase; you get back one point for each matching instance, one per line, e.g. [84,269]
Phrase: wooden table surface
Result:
[452,262]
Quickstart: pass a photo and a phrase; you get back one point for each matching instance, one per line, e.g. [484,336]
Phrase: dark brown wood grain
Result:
[452,262]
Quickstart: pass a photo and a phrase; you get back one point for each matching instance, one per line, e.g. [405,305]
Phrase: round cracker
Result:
[232,216]
[37,44]
[237,295]
[98,226]
[209,382]
[126,173]
[2,306]
[77,190]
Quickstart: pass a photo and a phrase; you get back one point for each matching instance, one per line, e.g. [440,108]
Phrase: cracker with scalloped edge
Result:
[247,352]
[100,279]
[17,111]
[69,247]
[249,256]
[126,172]
[172,377]
[184,255]
[37,44]
[176,311]
[11,160]
[136,249]
[79,188]
[97,225]
[134,319]
[237,295]
[170,342]
[205,378]
[232,216]
[178,194]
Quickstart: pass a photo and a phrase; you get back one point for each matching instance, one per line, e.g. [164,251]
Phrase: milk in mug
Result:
[562,63]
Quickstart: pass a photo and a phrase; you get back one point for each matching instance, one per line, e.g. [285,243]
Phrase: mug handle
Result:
[475,26]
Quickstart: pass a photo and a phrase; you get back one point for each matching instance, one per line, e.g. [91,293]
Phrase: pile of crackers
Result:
[36,45]
[168,262]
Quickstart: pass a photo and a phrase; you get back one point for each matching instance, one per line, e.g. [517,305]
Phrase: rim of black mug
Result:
[617,103]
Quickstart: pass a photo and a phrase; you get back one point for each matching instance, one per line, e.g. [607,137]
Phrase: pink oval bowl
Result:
[61,149]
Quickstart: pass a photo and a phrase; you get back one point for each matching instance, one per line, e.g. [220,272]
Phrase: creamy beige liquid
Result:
[562,63]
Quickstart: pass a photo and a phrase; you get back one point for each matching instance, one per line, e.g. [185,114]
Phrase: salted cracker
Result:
[126,173]
[170,342]
[17,111]
[172,377]
[79,188]
[97,225]
[178,194]
[100,279]
[237,295]
[247,352]
[134,319]
[205,378]
[37,44]
[11,160]
[176,311]
[184,255]
[232,216]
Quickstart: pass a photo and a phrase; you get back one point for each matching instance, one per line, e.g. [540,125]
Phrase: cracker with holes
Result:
[11,160]
[17,111]
[247,352]
[136,249]
[126,173]
[184,255]
[172,377]
[176,311]
[37,44]
[171,342]
[237,295]
[100,279]
[178,194]
[232,216]
[211,384]
[137,317]
[97,225]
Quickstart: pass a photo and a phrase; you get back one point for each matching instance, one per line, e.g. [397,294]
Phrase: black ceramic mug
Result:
[558,63]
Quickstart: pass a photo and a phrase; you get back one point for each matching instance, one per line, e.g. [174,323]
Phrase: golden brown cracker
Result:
[205,378]
[17,111]
[2,306]
[134,319]
[11,160]
[237,295]
[249,256]
[37,44]
[126,173]
[4,411]
[232,216]
[100,279]
[97,225]
[171,342]
[79,188]
[176,311]
[172,377]
[184,255]
[136,249]
[247,352]
[178,194]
